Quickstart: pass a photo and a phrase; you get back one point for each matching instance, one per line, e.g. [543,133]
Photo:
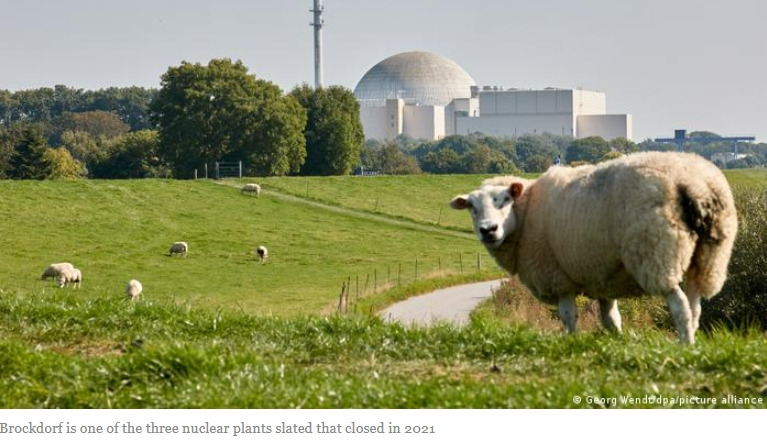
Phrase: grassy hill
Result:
[118,230]
[194,340]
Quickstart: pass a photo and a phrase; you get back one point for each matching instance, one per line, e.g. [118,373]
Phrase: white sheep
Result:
[55,270]
[638,224]
[70,276]
[251,188]
[179,247]
[262,253]
[133,290]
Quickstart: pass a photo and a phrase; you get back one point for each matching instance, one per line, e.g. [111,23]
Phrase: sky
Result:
[671,64]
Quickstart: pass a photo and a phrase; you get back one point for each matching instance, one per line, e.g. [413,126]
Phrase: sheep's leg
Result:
[609,314]
[568,312]
[693,297]
[680,310]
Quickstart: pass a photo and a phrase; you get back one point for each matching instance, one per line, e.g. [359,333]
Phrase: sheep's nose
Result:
[488,230]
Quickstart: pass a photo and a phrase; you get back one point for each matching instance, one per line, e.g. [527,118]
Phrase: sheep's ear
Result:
[516,190]
[460,202]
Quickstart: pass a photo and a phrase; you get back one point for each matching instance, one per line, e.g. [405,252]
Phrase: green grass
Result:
[751,178]
[219,330]
[118,230]
[62,351]
[396,196]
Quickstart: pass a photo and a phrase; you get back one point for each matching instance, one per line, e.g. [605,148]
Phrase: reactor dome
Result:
[419,78]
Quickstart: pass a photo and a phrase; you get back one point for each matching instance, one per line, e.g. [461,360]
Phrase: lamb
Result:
[55,270]
[637,224]
[262,253]
[73,276]
[180,248]
[133,290]
[251,188]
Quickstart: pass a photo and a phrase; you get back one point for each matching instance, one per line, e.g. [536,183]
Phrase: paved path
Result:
[453,304]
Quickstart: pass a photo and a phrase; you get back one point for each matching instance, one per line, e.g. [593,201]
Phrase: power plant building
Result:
[427,96]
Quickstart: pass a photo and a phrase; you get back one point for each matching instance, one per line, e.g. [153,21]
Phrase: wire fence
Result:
[380,280]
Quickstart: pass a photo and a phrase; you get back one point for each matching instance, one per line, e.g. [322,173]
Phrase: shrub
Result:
[743,300]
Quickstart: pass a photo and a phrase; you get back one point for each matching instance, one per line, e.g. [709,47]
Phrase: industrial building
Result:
[427,96]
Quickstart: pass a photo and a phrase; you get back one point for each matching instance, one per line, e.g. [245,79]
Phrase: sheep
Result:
[180,248]
[637,224]
[262,253]
[133,290]
[251,188]
[73,276]
[55,270]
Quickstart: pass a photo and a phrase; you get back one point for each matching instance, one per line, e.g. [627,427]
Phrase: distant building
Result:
[427,96]
[575,112]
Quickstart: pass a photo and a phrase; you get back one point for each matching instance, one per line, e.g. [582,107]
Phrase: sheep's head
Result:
[490,208]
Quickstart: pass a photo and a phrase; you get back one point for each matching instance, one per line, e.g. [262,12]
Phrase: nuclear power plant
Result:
[427,96]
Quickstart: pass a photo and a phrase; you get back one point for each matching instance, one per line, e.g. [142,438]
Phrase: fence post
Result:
[206,171]
[217,172]
[240,169]
[195,173]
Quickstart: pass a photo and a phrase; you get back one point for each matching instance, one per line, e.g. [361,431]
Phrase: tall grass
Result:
[61,351]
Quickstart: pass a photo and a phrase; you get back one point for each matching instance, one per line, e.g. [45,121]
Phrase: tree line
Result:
[220,112]
[201,114]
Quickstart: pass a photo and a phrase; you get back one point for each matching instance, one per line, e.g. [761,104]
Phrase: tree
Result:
[62,165]
[623,145]
[442,161]
[482,159]
[133,155]
[589,149]
[96,123]
[333,130]
[534,146]
[219,112]
[392,161]
[82,145]
[29,160]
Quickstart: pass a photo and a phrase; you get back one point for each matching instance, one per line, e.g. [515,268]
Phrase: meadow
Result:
[220,330]
[118,230]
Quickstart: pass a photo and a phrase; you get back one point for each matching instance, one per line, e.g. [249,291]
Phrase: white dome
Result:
[419,78]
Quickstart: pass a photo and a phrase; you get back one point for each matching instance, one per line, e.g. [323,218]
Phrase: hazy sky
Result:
[698,65]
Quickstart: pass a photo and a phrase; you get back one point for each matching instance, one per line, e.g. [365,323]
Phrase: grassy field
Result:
[396,196]
[118,230]
[220,330]
[64,351]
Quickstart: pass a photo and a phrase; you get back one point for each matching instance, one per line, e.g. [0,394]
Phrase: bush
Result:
[743,300]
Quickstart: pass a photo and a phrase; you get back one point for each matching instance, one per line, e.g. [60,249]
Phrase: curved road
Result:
[453,304]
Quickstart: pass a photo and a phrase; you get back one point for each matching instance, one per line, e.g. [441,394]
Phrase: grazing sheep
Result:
[133,290]
[262,253]
[70,276]
[55,270]
[180,248]
[251,188]
[638,224]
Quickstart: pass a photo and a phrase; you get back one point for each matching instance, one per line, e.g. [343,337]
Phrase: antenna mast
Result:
[317,25]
